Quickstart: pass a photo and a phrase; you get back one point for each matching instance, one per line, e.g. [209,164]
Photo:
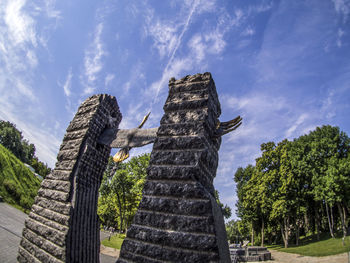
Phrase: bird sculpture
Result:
[126,139]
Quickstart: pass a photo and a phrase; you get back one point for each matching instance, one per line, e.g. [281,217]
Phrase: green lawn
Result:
[115,242]
[325,247]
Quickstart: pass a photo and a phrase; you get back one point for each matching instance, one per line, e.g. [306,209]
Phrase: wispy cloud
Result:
[339,37]
[301,119]
[164,35]
[249,31]
[212,42]
[109,78]
[200,45]
[68,83]
[260,8]
[342,7]
[93,63]
[51,11]
[20,43]
[21,27]
[275,107]
[175,41]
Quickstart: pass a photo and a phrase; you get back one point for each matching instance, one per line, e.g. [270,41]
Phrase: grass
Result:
[326,247]
[115,242]
[18,185]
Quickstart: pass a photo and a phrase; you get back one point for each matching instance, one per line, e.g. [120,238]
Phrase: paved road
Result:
[11,225]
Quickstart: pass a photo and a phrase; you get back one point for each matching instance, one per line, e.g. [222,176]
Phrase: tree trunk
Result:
[297,232]
[262,232]
[317,224]
[342,213]
[120,212]
[329,221]
[285,231]
[252,234]
[306,223]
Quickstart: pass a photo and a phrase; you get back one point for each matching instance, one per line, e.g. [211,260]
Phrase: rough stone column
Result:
[178,219]
[63,224]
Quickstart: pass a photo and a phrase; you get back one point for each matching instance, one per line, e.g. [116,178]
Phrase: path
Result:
[11,225]
[12,222]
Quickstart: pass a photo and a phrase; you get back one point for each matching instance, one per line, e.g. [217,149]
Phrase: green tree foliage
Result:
[233,233]
[18,185]
[297,187]
[39,167]
[121,191]
[13,140]
[225,209]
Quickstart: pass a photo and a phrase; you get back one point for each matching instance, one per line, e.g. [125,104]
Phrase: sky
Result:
[284,66]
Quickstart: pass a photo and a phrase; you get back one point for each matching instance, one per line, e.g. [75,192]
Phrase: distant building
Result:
[33,171]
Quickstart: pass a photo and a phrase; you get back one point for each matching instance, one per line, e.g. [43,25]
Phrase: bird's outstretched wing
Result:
[144,120]
[223,128]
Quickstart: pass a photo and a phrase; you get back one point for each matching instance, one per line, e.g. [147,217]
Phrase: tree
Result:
[121,191]
[329,148]
[233,233]
[39,167]
[245,209]
[225,209]
[303,185]
[12,139]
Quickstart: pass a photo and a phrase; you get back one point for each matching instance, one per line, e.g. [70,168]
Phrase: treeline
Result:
[299,187]
[12,139]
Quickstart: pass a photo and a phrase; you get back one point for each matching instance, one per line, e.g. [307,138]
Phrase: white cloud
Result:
[93,60]
[200,44]
[45,141]
[198,47]
[24,90]
[32,59]
[20,43]
[68,83]
[164,36]
[340,34]
[126,87]
[216,42]
[109,78]
[170,68]
[21,27]
[265,6]
[249,31]
[88,90]
[51,12]
[342,7]
[298,122]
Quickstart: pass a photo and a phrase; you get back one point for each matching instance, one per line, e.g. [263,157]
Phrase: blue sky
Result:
[284,66]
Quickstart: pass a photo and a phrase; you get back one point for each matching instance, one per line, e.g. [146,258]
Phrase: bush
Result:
[11,188]
[25,202]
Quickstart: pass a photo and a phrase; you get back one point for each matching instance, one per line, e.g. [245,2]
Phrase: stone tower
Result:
[178,219]
[63,224]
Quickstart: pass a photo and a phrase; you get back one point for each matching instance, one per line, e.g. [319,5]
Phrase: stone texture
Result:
[178,219]
[63,224]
